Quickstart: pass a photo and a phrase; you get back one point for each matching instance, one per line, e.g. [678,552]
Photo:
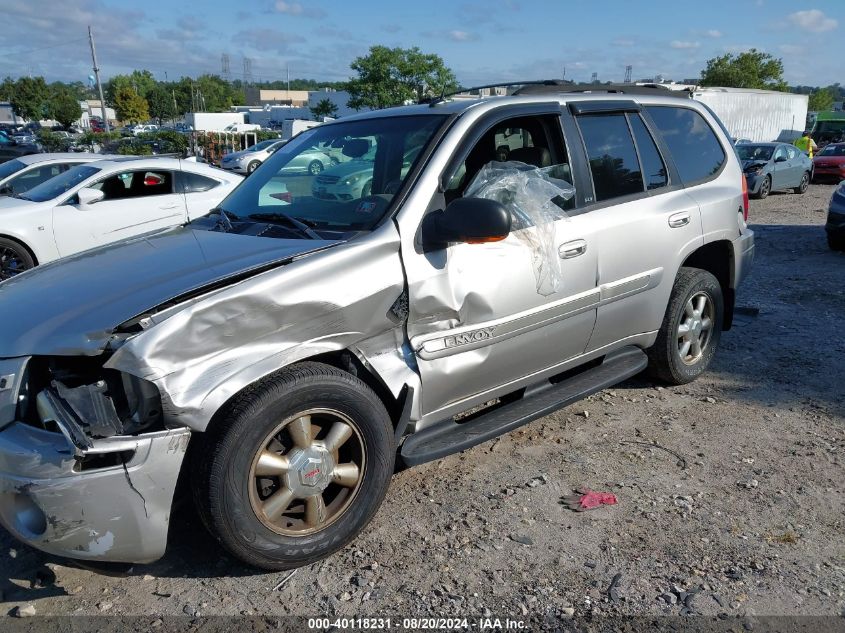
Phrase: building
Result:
[339,98]
[260,97]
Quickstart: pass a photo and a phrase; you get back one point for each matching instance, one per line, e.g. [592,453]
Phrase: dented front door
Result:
[478,318]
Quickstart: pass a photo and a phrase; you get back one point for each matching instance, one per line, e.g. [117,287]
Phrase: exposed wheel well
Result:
[717,258]
[17,241]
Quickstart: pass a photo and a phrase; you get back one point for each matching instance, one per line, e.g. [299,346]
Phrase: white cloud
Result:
[460,36]
[713,33]
[681,45]
[813,20]
[291,8]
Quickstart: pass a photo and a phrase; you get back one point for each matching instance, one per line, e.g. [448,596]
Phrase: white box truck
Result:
[757,115]
[292,127]
[213,121]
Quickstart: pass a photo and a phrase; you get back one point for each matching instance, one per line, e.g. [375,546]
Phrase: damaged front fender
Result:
[201,356]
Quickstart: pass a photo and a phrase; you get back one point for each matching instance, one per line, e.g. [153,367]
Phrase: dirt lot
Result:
[749,520]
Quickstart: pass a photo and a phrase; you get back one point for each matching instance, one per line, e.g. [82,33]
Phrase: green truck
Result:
[829,127]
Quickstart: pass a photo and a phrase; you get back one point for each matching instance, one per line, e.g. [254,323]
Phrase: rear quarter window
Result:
[694,146]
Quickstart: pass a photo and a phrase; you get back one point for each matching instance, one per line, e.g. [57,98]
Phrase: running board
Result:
[448,437]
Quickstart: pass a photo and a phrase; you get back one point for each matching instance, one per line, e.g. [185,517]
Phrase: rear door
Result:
[642,215]
[136,201]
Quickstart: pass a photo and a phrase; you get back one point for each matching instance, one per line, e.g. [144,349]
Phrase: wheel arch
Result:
[20,242]
[717,258]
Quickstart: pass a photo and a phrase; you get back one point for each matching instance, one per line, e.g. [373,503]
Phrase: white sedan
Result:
[25,172]
[102,202]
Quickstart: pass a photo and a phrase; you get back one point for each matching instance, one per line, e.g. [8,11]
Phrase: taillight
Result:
[744,198]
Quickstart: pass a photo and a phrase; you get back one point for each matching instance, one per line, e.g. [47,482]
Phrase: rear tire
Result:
[14,258]
[315,167]
[805,182]
[691,329]
[262,467]
[836,243]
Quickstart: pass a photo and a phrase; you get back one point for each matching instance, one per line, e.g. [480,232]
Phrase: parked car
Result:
[22,174]
[247,161]
[774,167]
[310,162]
[303,348]
[10,148]
[242,127]
[354,178]
[144,129]
[829,163]
[835,226]
[101,202]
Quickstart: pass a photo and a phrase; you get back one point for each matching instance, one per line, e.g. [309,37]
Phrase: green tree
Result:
[7,89]
[821,100]
[323,108]
[161,103]
[63,105]
[130,106]
[750,69]
[392,76]
[141,81]
[29,97]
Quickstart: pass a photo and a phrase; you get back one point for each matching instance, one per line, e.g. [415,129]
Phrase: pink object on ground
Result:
[587,499]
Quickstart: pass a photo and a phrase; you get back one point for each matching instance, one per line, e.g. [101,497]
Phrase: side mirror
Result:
[470,220]
[780,159]
[88,196]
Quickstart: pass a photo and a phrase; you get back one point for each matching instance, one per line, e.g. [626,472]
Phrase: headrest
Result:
[356,147]
[537,156]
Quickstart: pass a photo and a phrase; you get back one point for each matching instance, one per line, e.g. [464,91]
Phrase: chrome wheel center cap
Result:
[696,326]
[310,471]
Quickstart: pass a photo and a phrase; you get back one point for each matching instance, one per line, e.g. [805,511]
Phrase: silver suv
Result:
[286,355]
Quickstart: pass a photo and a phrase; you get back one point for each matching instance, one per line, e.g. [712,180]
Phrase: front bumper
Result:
[754,181]
[829,173]
[743,256]
[52,500]
[234,167]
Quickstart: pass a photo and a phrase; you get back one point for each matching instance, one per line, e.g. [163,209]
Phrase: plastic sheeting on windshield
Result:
[535,198]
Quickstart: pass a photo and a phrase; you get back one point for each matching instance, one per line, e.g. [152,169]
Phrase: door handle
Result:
[572,249]
[678,220]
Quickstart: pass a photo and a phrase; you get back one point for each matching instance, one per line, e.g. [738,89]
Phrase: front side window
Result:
[301,181]
[612,156]
[791,152]
[61,184]
[780,154]
[135,184]
[694,146]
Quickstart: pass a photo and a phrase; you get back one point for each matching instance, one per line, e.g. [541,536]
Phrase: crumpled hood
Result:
[71,306]
[748,164]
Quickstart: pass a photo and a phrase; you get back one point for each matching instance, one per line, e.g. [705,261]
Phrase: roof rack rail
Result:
[433,101]
[640,89]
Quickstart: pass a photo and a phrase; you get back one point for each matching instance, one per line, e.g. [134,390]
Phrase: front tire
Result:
[14,259]
[805,182]
[252,166]
[691,329]
[315,167]
[836,243]
[295,467]
[765,188]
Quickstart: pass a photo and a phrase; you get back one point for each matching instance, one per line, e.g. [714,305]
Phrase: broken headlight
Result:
[99,402]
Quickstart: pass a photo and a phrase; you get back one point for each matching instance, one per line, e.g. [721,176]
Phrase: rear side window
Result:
[694,146]
[194,183]
[654,171]
[612,156]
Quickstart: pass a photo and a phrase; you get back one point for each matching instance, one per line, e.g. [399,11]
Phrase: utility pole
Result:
[97,77]
[288,68]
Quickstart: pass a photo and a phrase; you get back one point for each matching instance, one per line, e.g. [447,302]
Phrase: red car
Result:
[829,163]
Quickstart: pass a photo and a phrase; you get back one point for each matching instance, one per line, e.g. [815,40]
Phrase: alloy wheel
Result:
[11,263]
[695,328]
[306,473]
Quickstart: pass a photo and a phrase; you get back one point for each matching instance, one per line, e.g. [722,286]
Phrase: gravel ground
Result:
[729,489]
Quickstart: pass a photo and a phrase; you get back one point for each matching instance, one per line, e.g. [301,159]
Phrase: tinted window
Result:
[613,159]
[135,184]
[654,171]
[11,167]
[694,146]
[194,183]
[61,184]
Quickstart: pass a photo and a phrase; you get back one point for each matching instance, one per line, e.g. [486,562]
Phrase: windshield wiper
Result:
[224,223]
[296,222]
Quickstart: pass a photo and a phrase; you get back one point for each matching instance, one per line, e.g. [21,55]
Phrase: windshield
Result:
[262,145]
[10,167]
[348,189]
[755,152]
[62,183]
[833,150]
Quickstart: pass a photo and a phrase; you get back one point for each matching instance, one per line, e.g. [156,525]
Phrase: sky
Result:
[483,41]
